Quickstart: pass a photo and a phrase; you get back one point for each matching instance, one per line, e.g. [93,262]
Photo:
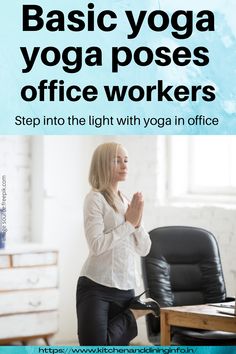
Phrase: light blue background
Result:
[220,72]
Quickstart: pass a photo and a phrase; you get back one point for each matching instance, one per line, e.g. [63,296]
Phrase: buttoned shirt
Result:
[113,243]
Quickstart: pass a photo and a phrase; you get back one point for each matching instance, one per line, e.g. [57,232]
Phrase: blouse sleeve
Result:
[98,240]
[141,240]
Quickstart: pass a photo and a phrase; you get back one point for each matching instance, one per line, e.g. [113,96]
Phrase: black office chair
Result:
[184,268]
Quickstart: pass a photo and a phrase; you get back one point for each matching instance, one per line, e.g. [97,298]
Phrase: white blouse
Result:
[113,244]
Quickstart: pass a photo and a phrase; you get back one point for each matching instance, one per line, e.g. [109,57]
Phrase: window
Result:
[202,166]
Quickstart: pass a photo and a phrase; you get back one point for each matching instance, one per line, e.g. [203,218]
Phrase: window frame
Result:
[187,192]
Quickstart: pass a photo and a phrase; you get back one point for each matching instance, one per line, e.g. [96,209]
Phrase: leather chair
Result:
[184,268]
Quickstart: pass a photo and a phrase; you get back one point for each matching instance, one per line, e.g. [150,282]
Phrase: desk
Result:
[198,316]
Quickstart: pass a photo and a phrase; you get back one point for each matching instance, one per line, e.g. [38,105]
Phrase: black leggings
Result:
[103,317]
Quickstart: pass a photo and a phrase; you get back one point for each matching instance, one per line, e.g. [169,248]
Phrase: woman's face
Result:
[120,168]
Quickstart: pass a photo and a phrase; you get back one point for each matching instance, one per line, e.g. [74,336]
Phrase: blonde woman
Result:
[106,307]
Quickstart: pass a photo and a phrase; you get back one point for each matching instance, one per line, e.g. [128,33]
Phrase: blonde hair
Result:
[101,171]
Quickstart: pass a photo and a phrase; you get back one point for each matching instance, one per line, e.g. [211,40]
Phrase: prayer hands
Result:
[134,211]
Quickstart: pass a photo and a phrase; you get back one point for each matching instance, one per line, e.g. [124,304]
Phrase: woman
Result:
[106,307]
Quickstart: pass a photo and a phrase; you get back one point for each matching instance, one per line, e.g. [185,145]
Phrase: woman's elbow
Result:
[145,250]
[96,248]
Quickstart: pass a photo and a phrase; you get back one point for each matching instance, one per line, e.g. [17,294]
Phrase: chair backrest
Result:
[184,267]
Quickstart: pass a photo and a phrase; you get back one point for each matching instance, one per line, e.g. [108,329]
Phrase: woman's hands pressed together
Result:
[134,211]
